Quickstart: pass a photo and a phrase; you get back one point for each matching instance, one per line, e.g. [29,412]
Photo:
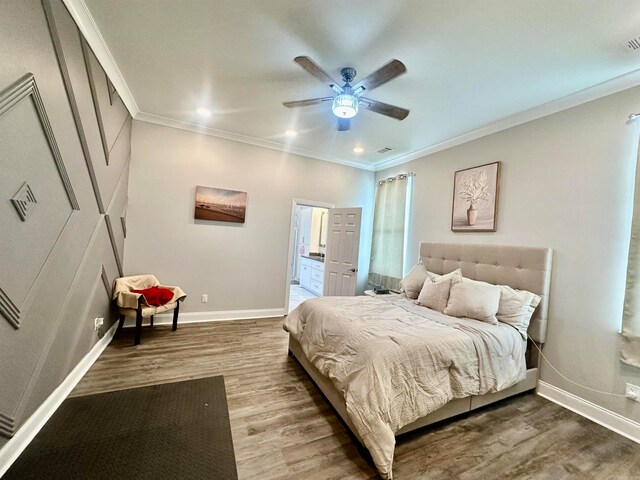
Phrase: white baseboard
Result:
[611,420]
[214,316]
[15,446]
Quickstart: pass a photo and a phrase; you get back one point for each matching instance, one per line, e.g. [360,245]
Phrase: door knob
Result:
[354,270]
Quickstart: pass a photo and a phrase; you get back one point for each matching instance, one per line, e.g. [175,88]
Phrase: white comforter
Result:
[394,361]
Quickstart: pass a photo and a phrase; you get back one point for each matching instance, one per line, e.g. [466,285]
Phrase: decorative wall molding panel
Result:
[24,88]
[87,25]
[105,281]
[7,426]
[24,200]
[19,119]
[86,50]
[124,125]
[57,260]
[113,93]
[9,310]
[114,243]
[64,70]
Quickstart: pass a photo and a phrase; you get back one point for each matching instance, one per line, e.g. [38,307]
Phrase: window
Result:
[390,223]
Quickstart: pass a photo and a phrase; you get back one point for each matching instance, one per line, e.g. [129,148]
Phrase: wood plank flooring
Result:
[284,429]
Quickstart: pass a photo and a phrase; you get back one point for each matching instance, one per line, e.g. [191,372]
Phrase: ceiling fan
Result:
[348,98]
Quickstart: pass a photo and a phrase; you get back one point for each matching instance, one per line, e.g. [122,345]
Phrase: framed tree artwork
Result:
[475,199]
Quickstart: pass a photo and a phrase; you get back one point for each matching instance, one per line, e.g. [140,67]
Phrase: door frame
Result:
[295,203]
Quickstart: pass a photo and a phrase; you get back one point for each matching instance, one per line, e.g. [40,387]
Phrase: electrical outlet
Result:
[632,392]
[97,323]
[205,298]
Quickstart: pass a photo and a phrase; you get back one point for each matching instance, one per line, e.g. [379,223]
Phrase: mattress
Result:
[394,362]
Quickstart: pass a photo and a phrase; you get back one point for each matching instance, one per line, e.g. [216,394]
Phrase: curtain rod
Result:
[399,176]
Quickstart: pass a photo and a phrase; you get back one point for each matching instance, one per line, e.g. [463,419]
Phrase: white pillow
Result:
[435,295]
[473,299]
[455,276]
[516,308]
[412,283]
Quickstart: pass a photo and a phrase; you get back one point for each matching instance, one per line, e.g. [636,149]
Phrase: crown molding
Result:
[87,25]
[82,16]
[236,137]
[609,87]
[585,95]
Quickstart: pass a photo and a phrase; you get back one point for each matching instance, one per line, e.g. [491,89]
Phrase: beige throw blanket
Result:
[127,299]
[394,361]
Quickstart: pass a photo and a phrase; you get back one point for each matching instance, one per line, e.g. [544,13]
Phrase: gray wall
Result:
[58,264]
[567,183]
[240,266]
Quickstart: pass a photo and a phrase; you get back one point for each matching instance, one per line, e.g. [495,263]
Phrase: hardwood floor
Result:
[284,429]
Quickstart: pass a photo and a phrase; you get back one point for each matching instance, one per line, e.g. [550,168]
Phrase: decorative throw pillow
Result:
[155,296]
[435,295]
[516,308]
[455,276]
[473,299]
[412,283]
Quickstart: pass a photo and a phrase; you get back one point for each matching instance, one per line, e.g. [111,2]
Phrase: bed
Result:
[389,366]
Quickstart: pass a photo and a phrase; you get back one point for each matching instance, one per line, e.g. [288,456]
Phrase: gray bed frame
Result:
[523,268]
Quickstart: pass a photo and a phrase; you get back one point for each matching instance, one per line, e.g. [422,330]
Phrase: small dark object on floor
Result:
[171,431]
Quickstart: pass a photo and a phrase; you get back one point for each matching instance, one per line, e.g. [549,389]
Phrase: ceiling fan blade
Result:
[384,74]
[313,68]
[305,103]
[384,108]
[344,124]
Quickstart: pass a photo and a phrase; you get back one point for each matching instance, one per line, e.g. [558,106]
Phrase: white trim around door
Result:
[295,203]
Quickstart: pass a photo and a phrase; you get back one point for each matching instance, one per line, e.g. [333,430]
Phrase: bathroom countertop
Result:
[314,257]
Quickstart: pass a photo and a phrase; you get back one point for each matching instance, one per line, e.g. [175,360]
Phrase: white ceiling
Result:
[469,63]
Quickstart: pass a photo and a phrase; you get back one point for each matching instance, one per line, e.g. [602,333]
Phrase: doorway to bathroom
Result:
[307,248]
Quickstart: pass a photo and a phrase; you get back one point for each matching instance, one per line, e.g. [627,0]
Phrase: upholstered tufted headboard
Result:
[524,268]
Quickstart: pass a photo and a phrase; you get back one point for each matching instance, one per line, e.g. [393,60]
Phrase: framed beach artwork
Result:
[220,205]
[475,199]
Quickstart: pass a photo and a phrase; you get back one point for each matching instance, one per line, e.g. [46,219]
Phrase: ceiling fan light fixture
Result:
[345,106]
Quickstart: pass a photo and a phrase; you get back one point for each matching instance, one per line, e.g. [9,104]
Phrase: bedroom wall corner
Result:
[566,183]
[242,267]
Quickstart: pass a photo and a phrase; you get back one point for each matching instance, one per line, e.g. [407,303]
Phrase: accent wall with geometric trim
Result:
[65,138]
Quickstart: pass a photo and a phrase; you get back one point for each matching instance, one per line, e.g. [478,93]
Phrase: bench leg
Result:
[136,337]
[175,317]
[120,324]
[151,321]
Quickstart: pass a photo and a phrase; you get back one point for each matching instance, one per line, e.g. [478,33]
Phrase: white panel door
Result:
[343,245]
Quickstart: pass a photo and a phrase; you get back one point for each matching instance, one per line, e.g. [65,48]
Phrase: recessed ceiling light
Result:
[290,132]
[358,149]
[205,112]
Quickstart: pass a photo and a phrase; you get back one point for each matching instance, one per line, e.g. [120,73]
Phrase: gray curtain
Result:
[388,243]
[630,350]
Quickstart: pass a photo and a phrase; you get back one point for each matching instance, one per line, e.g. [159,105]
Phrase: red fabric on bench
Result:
[155,296]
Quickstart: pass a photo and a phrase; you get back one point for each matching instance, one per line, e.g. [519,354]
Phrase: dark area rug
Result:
[171,431]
